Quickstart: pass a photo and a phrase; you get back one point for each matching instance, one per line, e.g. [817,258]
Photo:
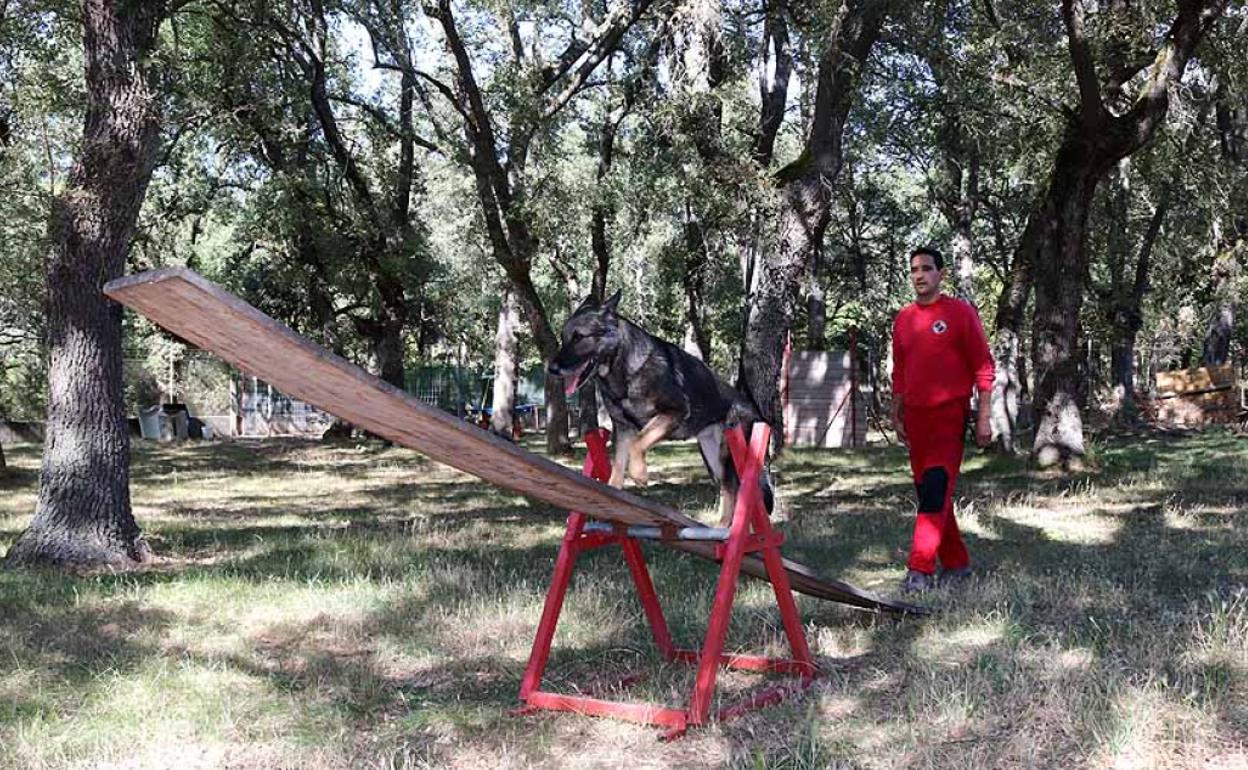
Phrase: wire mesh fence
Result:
[233,403]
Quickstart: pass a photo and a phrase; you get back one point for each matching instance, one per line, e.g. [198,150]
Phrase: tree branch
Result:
[1090,104]
[773,82]
[493,187]
[447,92]
[438,129]
[1190,26]
[611,31]
[377,114]
[1014,82]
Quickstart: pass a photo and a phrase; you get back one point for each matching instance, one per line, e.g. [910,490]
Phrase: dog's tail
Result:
[769,493]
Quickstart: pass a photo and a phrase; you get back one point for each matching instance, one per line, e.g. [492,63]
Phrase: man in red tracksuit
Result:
[939,355]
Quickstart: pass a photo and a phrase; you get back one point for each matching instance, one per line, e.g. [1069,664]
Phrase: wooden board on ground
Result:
[199,311]
[1202,379]
[1196,409]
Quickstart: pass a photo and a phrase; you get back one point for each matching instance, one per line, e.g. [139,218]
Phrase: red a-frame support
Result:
[750,531]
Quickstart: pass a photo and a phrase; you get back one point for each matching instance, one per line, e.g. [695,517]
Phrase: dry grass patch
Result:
[327,606]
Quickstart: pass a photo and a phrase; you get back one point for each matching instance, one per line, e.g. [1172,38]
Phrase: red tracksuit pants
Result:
[937,437]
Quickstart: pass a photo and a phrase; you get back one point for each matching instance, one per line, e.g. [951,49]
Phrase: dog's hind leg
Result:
[623,441]
[719,464]
[655,431]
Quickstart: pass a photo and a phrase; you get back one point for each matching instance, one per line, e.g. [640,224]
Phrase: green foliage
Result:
[41,103]
[251,191]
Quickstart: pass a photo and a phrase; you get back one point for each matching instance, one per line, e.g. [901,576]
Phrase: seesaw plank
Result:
[202,313]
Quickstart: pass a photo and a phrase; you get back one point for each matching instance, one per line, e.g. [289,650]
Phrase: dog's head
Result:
[590,336]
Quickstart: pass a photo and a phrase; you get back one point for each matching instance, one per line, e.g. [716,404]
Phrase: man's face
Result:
[925,277]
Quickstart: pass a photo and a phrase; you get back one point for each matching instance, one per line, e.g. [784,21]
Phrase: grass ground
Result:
[353,606]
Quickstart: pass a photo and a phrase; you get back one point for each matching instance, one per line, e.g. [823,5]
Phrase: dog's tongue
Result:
[571,380]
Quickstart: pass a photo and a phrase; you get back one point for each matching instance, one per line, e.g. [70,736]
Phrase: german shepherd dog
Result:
[653,390]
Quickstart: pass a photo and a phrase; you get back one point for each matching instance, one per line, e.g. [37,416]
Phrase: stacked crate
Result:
[1206,395]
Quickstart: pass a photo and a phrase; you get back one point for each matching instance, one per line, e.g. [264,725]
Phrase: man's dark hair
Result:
[936,256]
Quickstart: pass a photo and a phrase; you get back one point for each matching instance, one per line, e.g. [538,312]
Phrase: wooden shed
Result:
[821,404]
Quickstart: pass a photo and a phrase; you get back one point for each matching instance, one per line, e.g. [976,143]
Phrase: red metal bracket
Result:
[750,531]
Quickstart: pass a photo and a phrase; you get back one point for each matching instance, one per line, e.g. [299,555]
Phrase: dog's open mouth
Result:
[573,380]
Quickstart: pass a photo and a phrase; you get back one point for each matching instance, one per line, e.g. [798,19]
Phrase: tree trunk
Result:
[547,342]
[803,221]
[1226,269]
[601,246]
[1094,140]
[506,366]
[963,253]
[693,280]
[957,190]
[805,210]
[83,515]
[1129,318]
[1007,390]
[1011,382]
[557,419]
[1059,286]
[388,347]
[816,307]
[1232,127]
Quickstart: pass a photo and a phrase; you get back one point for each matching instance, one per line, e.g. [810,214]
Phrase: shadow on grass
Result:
[1129,601]
[50,643]
[13,477]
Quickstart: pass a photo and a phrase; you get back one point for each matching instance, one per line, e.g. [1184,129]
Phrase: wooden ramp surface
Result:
[202,313]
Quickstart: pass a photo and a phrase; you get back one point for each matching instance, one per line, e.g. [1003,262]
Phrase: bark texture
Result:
[506,367]
[83,516]
[805,188]
[1095,140]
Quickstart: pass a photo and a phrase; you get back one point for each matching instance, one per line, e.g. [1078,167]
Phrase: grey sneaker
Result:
[917,582]
[960,575]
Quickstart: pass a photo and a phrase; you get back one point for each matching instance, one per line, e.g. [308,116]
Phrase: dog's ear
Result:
[612,305]
[586,303]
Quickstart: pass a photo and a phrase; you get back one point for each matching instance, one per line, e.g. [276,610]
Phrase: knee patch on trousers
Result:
[932,486]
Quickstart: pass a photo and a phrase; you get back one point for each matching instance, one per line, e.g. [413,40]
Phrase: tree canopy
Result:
[383,175]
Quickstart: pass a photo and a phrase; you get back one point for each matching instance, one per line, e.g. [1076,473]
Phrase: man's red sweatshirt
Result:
[940,353]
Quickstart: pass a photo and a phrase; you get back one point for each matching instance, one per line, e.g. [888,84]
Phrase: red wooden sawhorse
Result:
[750,531]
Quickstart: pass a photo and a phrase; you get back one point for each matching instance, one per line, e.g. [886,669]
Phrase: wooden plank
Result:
[202,313]
[1193,409]
[817,404]
[1200,379]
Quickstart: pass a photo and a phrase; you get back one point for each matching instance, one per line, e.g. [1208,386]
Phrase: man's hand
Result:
[983,421]
[899,425]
